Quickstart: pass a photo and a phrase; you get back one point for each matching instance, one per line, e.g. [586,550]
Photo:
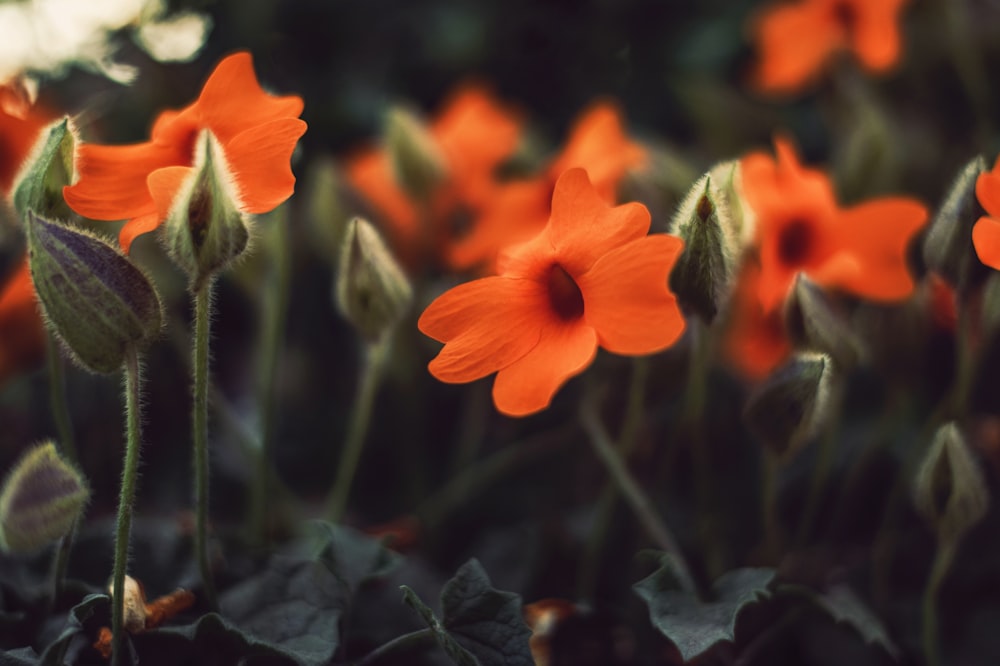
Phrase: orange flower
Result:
[797,39]
[755,340]
[591,277]
[519,209]
[474,134]
[800,227]
[22,335]
[256,132]
[986,233]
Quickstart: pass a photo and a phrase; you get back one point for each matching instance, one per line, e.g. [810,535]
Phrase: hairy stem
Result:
[199,420]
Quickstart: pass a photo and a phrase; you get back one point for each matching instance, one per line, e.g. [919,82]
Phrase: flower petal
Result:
[370,173]
[485,324]
[112,184]
[527,385]
[876,234]
[135,228]
[260,160]
[988,191]
[599,144]
[986,238]
[163,186]
[517,211]
[583,227]
[233,100]
[22,335]
[795,41]
[626,298]
[876,33]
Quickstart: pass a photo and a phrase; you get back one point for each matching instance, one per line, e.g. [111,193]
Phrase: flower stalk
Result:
[126,500]
[199,421]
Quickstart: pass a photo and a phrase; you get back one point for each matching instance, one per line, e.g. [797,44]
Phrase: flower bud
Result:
[416,159]
[704,275]
[813,323]
[372,291]
[950,490]
[93,298]
[948,248]
[787,409]
[42,497]
[50,167]
[133,604]
[205,230]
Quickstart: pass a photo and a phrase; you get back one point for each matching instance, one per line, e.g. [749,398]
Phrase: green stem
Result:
[481,475]
[199,420]
[590,564]
[126,500]
[57,399]
[274,319]
[637,500]
[943,557]
[60,562]
[357,429]
[769,505]
[412,640]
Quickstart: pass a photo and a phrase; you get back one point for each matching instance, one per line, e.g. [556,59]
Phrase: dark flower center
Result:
[794,242]
[846,16]
[564,295]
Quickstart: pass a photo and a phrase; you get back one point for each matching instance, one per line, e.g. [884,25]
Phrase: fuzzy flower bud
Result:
[787,409]
[205,230]
[950,490]
[372,291]
[710,223]
[948,248]
[812,322]
[50,167]
[93,298]
[416,158]
[42,497]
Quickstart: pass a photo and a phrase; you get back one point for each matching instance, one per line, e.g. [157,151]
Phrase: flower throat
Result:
[564,294]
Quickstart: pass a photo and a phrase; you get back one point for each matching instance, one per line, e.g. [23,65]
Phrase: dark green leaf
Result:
[354,557]
[289,613]
[692,624]
[20,657]
[481,625]
[93,607]
[844,605]
[458,654]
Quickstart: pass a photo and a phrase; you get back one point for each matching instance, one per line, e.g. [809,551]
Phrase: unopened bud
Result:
[416,159]
[950,490]
[948,248]
[42,497]
[50,167]
[133,604]
[206,231]
[93,298]
[788,408]
[812,322]
[704,275]
[372,291]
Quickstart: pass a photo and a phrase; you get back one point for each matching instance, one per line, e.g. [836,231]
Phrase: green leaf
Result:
[844,605]
[354,557]
[481,625]
[691,624]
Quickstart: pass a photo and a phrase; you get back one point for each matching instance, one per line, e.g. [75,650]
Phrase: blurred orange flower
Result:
[591,277]
[519,209]
[801,228]
[797,39]
[22,335]
[257,133]
[474,134]
[986,233]
[755,340]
